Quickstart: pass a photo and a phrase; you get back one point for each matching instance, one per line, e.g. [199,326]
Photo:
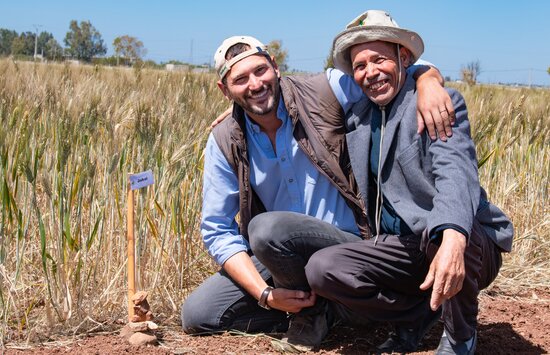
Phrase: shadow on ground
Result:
[493,338]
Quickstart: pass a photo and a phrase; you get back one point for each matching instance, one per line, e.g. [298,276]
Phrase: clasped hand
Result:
[292,301]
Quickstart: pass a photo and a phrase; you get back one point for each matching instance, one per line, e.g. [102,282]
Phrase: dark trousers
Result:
[381,282]
[281,243]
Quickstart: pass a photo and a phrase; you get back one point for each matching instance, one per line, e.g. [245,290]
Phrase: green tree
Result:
[548,70]
[6,39]
[129,49]
[48,46]
[23,44]
[110,61]
[52,49]
[84,42]
[275,48]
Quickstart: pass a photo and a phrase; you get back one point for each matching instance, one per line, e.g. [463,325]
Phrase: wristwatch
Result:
[263,298]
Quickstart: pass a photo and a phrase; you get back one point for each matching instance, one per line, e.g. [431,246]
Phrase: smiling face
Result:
[253,84]
[376,69]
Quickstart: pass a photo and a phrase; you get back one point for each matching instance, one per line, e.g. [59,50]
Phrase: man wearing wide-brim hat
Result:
[438,240]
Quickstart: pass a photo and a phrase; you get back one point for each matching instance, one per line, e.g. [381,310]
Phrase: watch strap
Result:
[263,298]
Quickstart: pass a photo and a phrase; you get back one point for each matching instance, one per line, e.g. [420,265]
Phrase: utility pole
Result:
[36,40]
[191,54]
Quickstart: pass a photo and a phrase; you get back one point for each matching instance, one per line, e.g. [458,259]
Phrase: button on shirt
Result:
[284,180]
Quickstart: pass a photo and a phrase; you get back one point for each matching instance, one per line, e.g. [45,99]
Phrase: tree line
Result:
[82,42]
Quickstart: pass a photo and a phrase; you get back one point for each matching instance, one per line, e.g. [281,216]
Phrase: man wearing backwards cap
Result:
[273,154]
[434,227]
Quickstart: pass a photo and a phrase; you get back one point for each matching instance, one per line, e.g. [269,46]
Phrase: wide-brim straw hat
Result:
[373,25]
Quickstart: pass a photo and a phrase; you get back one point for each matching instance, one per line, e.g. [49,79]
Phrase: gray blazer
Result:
[427,183]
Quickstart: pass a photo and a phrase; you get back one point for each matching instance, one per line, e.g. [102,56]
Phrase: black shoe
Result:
[305,333]
[406,340]
[465,348]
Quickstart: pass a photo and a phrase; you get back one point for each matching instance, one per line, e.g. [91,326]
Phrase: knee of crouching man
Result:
[265,231]
[317,271]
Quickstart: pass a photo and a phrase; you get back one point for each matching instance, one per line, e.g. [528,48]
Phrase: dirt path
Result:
[507,325]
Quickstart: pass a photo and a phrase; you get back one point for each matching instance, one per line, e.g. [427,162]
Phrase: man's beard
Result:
[272,90]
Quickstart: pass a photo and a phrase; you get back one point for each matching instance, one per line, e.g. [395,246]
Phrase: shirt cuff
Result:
[437,233]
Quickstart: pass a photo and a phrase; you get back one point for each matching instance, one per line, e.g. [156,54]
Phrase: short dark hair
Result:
[234,51]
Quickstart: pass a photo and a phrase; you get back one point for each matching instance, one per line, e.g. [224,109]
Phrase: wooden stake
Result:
[131,253]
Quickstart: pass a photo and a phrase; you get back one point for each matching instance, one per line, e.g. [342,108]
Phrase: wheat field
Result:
[70,135]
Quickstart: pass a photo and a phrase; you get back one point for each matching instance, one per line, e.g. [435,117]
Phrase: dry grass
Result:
[511,129]
[69,136]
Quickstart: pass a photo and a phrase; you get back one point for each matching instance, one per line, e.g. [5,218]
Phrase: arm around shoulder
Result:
[435,111]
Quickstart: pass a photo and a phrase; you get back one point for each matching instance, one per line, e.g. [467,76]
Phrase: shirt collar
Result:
[282,114]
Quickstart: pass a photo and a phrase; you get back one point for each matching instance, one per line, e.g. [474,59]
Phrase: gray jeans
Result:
[281,243]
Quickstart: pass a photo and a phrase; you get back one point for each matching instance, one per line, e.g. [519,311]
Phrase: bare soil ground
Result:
[508,324]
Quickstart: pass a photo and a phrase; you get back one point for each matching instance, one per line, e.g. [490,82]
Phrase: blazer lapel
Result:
[358,143]
[393,117]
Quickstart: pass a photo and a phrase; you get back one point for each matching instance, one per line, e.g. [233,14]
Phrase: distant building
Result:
[201,70]
[177,67]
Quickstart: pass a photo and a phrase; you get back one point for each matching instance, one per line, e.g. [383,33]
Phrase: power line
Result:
[501,70]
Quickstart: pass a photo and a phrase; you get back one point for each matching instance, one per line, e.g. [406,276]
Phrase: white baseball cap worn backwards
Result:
[223,65]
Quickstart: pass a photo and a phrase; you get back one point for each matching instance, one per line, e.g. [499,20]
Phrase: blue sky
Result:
[509,38]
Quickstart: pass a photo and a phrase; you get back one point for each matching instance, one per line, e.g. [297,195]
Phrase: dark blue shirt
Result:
[390,222]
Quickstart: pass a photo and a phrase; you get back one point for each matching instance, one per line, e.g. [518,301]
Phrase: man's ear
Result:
[224,89]
[276,67]
[406,56]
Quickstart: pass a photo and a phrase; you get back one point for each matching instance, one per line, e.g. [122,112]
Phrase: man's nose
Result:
[371,70]
[254,82]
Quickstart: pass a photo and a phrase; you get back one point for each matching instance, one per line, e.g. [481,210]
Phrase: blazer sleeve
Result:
[454,168]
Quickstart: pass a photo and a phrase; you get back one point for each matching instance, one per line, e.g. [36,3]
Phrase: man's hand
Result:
[447,269]
[221,117]
[435,109]
[242,270]
[290,300]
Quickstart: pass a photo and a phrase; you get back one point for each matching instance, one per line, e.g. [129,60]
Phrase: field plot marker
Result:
[136,181]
